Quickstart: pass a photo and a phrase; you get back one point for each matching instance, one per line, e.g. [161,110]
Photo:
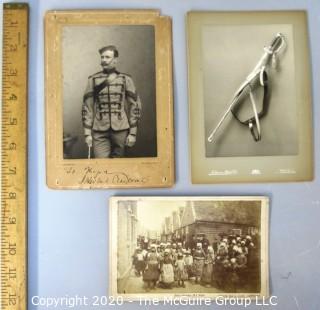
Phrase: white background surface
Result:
[224,72]
[68,230]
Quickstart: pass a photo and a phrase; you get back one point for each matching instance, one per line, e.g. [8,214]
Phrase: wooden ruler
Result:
[14,157]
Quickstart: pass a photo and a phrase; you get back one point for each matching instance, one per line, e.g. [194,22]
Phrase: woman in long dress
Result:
[167,272]
[198,262]
[151,273]
[206,278]
[219,269]
[181,272]
[188,259]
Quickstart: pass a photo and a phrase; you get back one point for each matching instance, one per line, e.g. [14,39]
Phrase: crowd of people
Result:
[229,263]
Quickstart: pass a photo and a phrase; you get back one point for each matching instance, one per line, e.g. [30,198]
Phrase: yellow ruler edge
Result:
[14,157]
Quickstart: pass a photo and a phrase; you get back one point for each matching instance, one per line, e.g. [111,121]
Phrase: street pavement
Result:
[135,285]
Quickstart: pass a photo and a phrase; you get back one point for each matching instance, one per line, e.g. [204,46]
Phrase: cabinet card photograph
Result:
[250,97]
[188,246]
[106,74]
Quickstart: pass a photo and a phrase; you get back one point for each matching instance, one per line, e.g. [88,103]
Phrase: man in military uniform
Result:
[111,108]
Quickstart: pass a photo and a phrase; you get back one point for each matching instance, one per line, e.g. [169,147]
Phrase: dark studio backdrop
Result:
[80,59]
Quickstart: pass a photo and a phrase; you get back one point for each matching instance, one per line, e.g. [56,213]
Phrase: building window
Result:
[236,232]
[252,230]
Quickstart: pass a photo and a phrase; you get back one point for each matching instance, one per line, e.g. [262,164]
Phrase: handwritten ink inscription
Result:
[91,176]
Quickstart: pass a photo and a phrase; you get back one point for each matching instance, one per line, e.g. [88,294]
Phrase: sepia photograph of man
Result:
[109,92]
[111,108]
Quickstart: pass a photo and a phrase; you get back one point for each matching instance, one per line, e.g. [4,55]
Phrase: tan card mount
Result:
[109,102]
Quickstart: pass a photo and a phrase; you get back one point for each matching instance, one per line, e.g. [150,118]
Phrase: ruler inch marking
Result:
[13,252]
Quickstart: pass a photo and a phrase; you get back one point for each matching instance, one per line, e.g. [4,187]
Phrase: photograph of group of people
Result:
[229,264]
[189,246]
